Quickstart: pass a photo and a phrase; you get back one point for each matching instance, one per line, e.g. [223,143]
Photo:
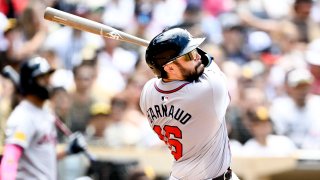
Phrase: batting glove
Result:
[205,57]
[77,143]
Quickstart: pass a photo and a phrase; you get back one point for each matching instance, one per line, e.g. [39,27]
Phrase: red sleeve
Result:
[10,160]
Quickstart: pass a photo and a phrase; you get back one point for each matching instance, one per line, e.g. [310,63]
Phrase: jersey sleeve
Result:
[10,160]
[143,95]
[218,81]
[142,100]
[20,129]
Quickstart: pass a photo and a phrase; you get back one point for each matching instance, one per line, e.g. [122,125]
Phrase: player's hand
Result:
[205,57]
[77,143]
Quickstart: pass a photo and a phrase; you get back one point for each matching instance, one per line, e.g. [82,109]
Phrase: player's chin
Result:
[198,71]
[200,68]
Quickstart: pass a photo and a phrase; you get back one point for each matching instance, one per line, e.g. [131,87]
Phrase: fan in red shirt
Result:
[13,8]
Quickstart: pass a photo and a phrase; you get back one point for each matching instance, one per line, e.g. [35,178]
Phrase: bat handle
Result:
[66,131]
[62,127]
[89,156]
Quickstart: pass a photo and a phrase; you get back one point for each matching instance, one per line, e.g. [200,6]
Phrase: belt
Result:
[225,176]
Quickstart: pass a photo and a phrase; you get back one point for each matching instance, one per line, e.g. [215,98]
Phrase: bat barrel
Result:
[84,24]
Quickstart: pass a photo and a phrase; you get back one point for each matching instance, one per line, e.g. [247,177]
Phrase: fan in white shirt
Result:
[264,143]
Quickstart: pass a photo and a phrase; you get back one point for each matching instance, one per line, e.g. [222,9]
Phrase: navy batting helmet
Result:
[169,45]
[29,71]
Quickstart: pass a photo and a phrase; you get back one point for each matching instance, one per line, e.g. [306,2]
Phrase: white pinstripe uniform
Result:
[189,117]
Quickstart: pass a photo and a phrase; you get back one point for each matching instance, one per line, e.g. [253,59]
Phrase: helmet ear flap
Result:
[205,57]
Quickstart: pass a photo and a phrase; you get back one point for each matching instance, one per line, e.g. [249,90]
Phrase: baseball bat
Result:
[87,25]
[10,73]
[67,132]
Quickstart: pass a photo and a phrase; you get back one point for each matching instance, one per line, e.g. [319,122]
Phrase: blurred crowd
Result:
[269,50]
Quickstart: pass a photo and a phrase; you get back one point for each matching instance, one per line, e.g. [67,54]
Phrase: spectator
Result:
[82,97]
[139,174]
[7,93]
[263,142]
[250,96]
[291,56]
[4,26]
[68,43]
[267,8]
[99,121]
[308,30]
[296,114]
[143,11]
[313,60]
[216,7]
[120,133]
[13,8]
[235,145]
[234,42]
[60,105]
[174,14]
[27,38]
[127,126]
[119,13]
[61,77]
[133,115]
[115,65]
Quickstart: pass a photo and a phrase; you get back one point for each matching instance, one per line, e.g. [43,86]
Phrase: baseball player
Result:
[186,106]
[30,151]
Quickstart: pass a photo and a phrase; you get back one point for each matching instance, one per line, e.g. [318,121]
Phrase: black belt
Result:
[225,176]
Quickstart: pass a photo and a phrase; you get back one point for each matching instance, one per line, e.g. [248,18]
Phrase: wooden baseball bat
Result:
[87,25]
[67,132]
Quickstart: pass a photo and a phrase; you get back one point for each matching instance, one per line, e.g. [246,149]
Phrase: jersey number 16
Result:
[174,145]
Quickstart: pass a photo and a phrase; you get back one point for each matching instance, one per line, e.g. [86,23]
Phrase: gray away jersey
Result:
[189,118]
[33,129]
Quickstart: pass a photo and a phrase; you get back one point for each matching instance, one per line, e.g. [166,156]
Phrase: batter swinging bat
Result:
[87,25]
[11,74]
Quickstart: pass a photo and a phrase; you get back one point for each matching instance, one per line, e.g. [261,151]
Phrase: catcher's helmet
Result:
[167,46]
[29,71]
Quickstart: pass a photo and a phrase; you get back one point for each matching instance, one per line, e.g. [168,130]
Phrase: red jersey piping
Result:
[170,91]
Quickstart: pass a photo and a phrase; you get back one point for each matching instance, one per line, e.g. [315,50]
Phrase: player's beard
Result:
[194,74]
[41,92]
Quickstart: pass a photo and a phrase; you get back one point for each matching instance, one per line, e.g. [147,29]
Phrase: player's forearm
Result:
[10,160]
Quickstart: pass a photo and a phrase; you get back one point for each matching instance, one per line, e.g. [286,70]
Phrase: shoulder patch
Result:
[19,136]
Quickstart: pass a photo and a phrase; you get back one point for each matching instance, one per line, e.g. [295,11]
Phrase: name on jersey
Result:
[159,111]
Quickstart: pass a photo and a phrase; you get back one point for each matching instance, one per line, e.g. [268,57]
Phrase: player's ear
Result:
[169,68]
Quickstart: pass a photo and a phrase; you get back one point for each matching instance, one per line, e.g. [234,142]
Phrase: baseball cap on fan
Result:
[313,57]
[258,114]
[299,76]
[230,20]
[259,41]
[313,52]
